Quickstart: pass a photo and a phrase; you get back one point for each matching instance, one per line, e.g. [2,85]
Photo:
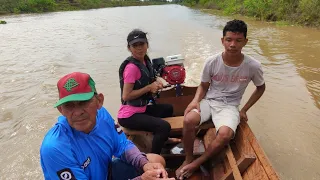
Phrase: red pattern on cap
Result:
[83,84]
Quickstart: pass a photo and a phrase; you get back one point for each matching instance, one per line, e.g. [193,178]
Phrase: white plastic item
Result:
[174,59]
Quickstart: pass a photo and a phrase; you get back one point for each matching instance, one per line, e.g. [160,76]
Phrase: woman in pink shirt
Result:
[138,83]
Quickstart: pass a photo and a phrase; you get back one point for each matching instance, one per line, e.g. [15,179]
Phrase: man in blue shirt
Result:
[85,139]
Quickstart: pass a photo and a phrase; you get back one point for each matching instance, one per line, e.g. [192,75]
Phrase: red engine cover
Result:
[174,74]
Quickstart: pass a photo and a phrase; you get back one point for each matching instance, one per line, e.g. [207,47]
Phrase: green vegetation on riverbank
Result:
[35,6]
[304,12]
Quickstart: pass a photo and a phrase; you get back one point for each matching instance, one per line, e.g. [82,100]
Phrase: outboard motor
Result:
[170,69]
[158,64]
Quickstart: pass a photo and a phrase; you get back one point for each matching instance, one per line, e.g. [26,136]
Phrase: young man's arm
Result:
[201,91]
[252,100]
[200,94]
[259,82]
[202,88]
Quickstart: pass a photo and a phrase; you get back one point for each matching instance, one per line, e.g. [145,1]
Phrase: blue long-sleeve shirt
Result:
[70,154]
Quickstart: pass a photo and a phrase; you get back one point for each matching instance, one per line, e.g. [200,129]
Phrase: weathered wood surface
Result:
[233,164]
[175,122]
[258,151]
[218,169]
[243,163]
[179,103]
[256,170]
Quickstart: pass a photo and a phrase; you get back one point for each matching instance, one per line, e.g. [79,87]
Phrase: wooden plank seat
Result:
[176,125]
[143,139]
[131,132]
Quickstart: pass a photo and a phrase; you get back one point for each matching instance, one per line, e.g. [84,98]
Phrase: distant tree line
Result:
[35,6]
[306,12]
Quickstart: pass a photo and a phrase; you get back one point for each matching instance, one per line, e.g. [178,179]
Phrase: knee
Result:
[155,158]
[191,120]
[163,128]
[166,126]
[225,134]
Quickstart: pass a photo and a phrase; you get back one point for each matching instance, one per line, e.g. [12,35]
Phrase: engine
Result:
[170,69]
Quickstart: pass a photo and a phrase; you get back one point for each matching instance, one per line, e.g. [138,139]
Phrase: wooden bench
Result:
[143,139]
[176,126]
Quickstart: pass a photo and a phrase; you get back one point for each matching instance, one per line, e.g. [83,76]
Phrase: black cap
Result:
[136,36]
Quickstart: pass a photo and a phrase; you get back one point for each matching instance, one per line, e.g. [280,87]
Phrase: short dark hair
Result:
[136,35]
[235,25]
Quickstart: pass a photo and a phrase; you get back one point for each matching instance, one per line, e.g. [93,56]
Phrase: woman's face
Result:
[138,50]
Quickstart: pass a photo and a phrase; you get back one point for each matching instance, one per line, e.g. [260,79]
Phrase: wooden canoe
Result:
[243,158]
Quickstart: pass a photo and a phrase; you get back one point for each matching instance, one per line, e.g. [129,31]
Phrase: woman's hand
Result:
[155,86]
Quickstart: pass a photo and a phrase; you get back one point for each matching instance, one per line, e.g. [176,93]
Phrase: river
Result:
[37,49]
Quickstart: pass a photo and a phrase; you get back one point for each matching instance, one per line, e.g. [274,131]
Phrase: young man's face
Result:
[233,42]
[81,115]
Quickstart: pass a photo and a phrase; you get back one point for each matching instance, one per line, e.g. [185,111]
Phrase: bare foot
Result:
[188,170]
[178,171]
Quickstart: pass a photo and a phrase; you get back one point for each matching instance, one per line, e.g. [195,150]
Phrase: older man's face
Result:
[81,115]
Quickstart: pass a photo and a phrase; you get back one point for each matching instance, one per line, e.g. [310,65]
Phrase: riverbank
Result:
[38,6]
[297,12]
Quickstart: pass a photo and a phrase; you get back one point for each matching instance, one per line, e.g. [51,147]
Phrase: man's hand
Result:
[243,115]
[154,174]
[192,105]
[156,166]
